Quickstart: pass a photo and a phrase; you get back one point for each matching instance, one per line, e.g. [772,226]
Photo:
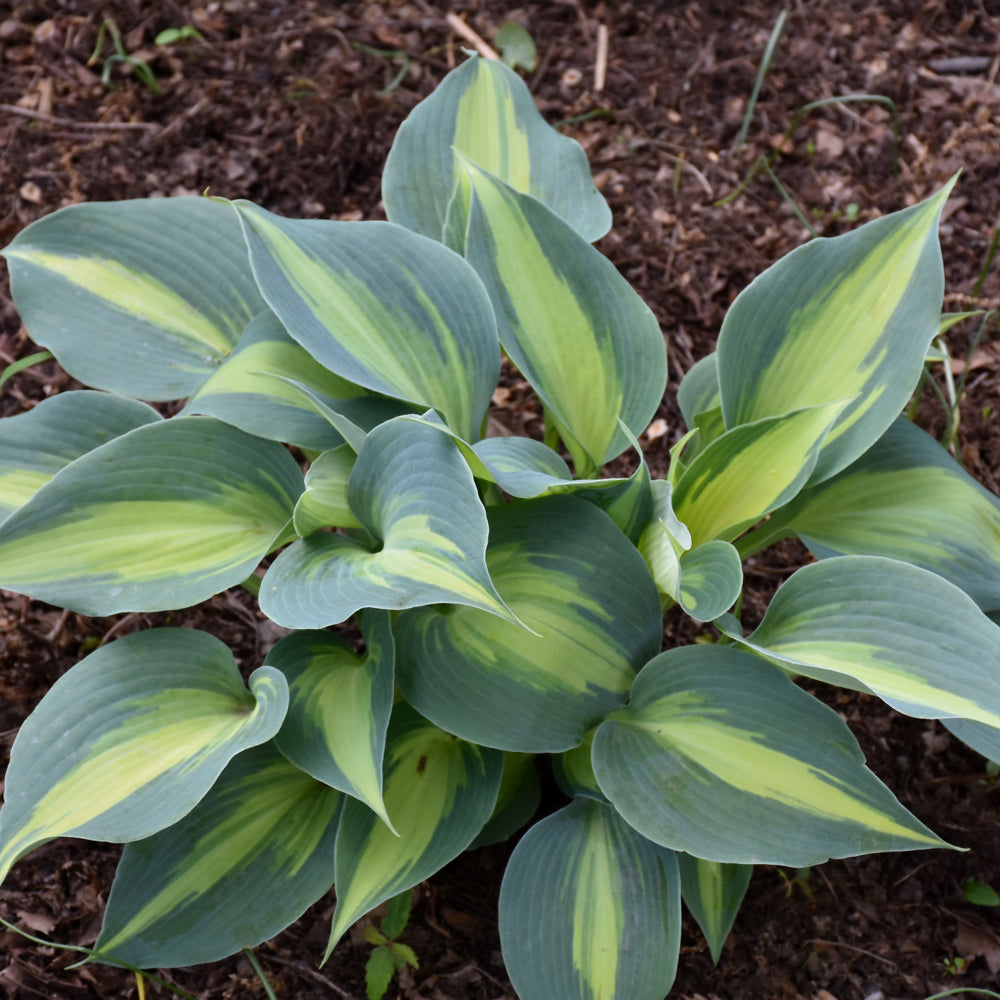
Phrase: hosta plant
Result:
[332,451]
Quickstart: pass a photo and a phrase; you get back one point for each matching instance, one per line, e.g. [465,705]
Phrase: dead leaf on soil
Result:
[978,942]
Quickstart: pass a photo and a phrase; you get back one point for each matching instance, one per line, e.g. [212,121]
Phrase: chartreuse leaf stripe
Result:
[439,792]
[568,573]
[339,707]
[35,445]
[382,307]
[164,287]
[128,740]
[713,891]
[484,111]
[164,516]
[415,496]
[844,318]
[749,471]
[242,865]
[324,503]
[905,498]
[719,754]
[251,390]
[590,910]
[557,298]
[900,631]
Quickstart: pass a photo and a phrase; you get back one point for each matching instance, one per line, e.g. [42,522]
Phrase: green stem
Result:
[18,366]
[261,975]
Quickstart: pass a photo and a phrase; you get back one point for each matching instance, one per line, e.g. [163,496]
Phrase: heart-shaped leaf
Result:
[564,568]
[240,867]
[130,739]
[162,287]
[415,495]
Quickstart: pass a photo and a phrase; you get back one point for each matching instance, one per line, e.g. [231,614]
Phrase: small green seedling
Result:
[140,67]
[516,46]
[389,955]
[980,893]
[185,33]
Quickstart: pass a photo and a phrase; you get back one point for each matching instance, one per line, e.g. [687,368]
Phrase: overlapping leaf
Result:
[720,755]
[35,445]
[484,111]
[162,517]
[590,909]
[339,707]
[416,497]
[713,891]
[569,574]
[254,390]
[385,308]
[240,867]
[439,792]
[749,471]
[130,739]
[140,297]
[908,499]
[557,298]
[902,632]
[323,503]
[844,318]
[711,578]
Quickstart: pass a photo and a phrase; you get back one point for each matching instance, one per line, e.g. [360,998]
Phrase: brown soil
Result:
[288,105]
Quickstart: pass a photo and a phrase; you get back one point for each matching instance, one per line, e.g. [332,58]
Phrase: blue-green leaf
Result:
[35,445]
[414,494]
[484,111]
[720,755]
[162,517]
[240,867]
[590,910]
[382,307]
[143,297]
[130,739]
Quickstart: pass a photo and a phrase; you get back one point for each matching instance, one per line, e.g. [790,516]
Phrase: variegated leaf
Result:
[323,503]
[750,471]
[240,867]
[517,801]
[890,628]
[567,572]
[713,891]
[130,739]
[711,578]
[720,755]
[141,297]
[844,318]
[162,517]
[254,390]
[439,792]
[339,707]
[35,445]
[905,498]
[590,910]
[415,496]
[557,298]
[382,307]
[485,111]
[699,389]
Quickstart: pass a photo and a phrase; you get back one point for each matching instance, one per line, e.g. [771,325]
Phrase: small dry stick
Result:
[13,109]
[478,43]
[601,59]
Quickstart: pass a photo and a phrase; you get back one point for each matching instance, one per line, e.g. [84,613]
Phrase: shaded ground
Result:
[291,106]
